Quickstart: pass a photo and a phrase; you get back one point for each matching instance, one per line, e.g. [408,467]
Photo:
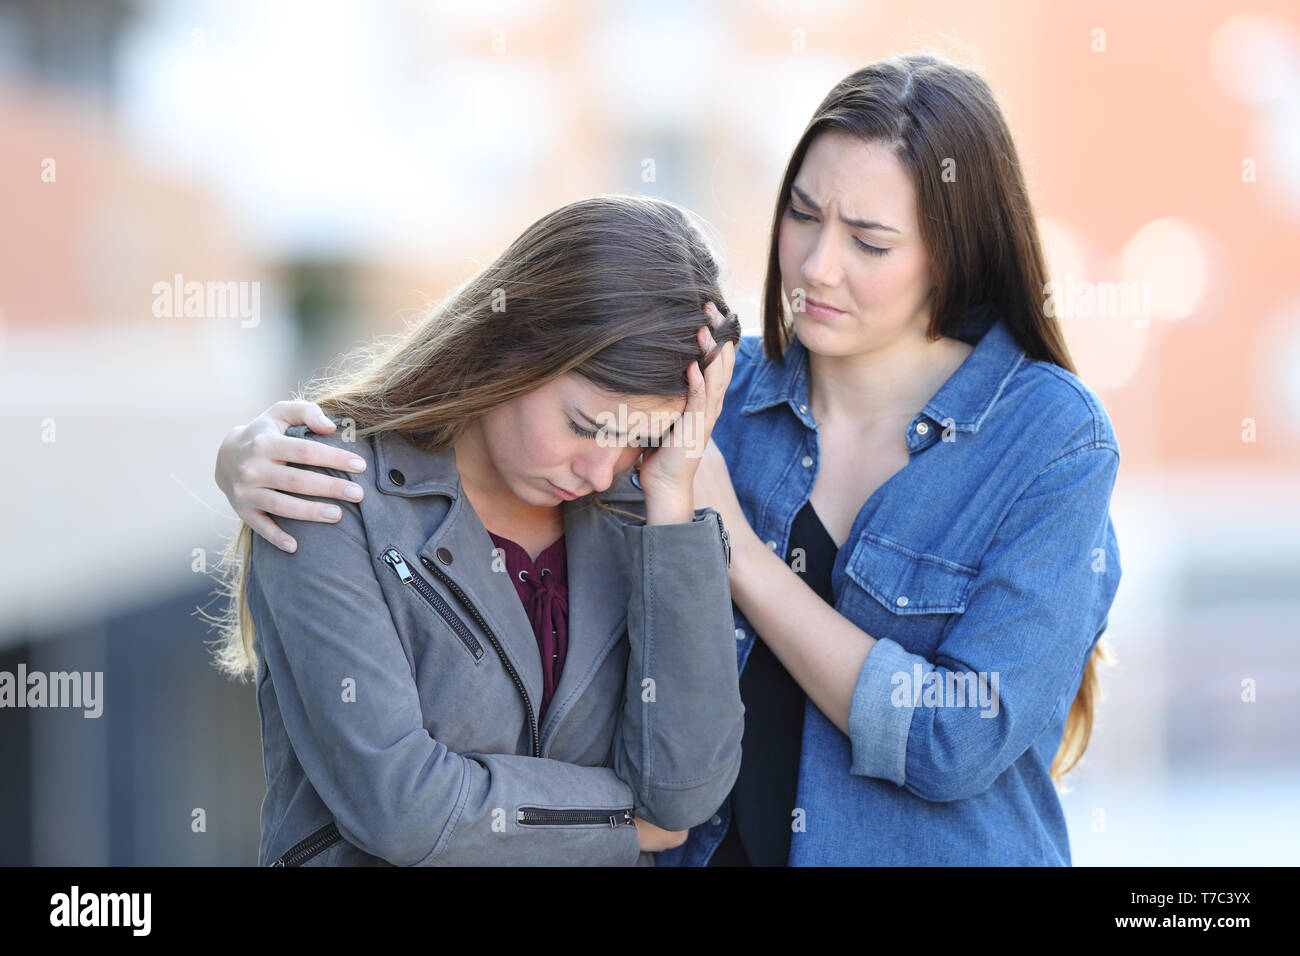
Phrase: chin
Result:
[524,492]
[538,497]
[818,337]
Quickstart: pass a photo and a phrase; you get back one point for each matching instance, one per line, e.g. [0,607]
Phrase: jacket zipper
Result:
[542,816]
[393,558]
[304,850]
[478,619]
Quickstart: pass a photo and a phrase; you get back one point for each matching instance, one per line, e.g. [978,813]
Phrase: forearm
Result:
[507,816]
[682,722]
[822,650]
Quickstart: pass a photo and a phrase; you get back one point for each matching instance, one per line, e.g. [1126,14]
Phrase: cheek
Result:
[895,278]
[548,451]
[524,445]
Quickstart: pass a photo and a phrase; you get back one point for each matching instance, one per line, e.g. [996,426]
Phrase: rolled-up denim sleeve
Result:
[1033,615]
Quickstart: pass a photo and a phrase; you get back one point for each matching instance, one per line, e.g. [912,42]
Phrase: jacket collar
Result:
[419,472]
[596,562]
[965,398]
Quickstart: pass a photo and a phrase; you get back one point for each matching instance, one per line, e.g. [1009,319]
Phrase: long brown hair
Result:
[610,288]
[978,229]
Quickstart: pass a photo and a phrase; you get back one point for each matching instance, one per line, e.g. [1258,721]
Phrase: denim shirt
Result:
[985,568]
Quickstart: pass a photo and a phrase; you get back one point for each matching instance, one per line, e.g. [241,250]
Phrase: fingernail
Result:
[322,420]
[330,511]
[353,491]
[288,545]
[356,464]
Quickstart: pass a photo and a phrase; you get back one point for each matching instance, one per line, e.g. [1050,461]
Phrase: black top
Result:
[763,798]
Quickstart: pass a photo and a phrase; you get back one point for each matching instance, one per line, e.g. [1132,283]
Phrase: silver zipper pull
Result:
[393,558]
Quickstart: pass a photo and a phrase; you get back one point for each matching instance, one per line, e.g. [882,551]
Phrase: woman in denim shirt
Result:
[913,397]
[911,386]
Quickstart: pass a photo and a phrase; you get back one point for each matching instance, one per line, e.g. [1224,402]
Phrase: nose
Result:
[598,468]
[822,264]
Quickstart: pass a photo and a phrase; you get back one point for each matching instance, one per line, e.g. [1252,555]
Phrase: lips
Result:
[821,305]
[569,495]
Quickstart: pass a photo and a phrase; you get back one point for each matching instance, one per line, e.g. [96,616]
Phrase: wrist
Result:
[678,509]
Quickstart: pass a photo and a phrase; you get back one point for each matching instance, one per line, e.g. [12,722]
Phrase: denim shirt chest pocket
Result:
[907,596]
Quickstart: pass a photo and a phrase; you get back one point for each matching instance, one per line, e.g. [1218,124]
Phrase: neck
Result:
[475,464]
[882,386]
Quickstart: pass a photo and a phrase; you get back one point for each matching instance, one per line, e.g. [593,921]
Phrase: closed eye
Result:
[869,249]
[579,430]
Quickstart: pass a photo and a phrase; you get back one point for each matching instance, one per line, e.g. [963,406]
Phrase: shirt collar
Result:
[963,400]
[970,392]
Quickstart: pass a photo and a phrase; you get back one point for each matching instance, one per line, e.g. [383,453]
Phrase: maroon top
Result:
[543,586]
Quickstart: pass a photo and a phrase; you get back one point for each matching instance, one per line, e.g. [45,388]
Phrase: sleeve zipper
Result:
[543,816]
[316,842]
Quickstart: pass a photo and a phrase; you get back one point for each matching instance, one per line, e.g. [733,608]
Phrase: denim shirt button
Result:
[715,820]
[807,461]
[771,545]
[803,409]
[922,428]
[740,633]
[902,600]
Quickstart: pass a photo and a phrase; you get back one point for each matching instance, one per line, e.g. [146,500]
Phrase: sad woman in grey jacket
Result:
[519,649]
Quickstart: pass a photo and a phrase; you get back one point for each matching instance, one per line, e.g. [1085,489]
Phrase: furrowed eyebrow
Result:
[855,223]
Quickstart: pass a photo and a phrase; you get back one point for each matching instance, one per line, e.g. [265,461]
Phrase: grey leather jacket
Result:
[398,680]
